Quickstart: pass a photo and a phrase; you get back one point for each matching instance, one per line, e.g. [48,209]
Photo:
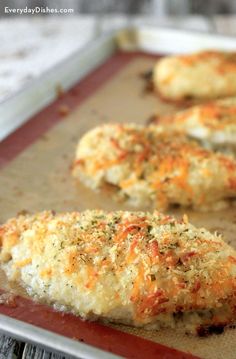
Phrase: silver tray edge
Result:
[45,338]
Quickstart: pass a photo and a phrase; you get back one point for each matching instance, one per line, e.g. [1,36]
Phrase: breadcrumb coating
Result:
[147,270]
[214,123]
[151,166]
[202,75]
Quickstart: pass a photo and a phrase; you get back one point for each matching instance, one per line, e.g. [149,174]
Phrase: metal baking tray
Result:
[40,93]
[45,338]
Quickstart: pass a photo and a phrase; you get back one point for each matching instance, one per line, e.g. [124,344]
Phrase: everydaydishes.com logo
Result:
[37,10]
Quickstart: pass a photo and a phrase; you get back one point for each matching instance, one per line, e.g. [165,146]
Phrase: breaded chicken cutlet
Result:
[153,167]
[136,268]
[202,75]
[213,123]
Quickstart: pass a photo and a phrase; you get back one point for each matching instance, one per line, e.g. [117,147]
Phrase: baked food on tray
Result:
[201,75]
[213,123]
[151,166]
[141,269]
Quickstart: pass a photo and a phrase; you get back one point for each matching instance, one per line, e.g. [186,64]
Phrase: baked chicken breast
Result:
[202,75]
[141,269]
[153,167]
[213,123]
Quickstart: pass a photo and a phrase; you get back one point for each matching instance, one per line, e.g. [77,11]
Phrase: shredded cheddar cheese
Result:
[130,267]
[202,75]
[160,167]
[213,123]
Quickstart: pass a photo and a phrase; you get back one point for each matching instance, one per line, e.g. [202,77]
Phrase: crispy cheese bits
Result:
[141,269]
[154,167]
[202,75]
[213,123]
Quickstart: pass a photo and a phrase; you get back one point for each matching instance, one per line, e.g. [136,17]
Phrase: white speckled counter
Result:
[31,46]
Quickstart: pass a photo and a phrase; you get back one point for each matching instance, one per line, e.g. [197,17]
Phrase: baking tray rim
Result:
[45,338]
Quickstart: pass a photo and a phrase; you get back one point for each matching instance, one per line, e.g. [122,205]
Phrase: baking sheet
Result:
[39,177]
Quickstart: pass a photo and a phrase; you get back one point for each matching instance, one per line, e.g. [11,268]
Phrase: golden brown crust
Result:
[204,75]
[154,166]
[213,122]
[130,267]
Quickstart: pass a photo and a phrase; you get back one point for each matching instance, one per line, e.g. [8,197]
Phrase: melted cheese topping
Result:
[203,75]
[151,166]
[214,122]
[129,267]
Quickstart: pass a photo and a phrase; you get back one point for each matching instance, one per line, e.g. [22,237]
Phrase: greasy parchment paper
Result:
[39,178]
